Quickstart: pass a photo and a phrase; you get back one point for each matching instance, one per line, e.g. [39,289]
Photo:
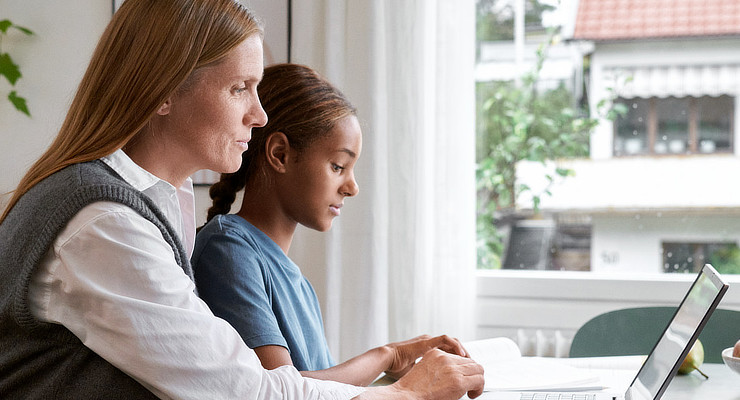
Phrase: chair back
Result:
[634,331]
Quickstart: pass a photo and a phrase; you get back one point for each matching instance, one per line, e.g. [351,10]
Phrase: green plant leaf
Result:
[9,69]
[24,30]
[565,172]
[19,103]
[4,25]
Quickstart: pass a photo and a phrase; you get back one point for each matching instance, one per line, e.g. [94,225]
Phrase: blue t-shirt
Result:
[247,279]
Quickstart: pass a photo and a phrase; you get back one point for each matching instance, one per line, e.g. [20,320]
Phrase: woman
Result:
[97,299]
[298,169]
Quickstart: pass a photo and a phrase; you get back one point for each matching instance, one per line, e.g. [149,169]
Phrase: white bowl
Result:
[732,362]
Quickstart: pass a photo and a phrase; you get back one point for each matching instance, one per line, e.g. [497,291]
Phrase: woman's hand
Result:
[404,354]
[440,375]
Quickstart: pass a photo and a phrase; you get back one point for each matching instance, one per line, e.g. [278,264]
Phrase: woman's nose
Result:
[256,117]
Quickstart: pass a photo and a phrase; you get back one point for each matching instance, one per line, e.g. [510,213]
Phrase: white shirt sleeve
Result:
[112,280]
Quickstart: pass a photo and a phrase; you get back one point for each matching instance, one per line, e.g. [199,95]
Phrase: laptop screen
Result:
[691,316]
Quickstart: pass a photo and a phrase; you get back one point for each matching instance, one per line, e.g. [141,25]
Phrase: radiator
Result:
[543,343]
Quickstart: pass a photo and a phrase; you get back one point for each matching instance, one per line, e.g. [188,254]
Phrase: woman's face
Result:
[209,123]
[318,180]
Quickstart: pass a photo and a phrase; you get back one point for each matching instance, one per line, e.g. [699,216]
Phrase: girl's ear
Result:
[164,109]
[277,151]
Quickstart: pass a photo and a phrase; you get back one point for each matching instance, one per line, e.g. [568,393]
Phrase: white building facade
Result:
[660,188]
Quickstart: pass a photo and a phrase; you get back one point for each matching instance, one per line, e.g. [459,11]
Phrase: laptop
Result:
[666,356]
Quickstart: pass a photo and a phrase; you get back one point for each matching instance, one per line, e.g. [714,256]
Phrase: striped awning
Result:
[675,80]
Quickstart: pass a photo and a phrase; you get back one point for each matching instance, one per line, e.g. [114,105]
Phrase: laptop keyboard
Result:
[557,396]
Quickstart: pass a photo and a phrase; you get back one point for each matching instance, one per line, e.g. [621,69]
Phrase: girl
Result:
[298,169]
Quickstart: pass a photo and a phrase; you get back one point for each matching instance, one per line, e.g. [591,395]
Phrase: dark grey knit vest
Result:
[46,361]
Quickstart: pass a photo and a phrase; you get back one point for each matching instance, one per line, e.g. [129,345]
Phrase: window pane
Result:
[632,128]
[673,125]
[715,123]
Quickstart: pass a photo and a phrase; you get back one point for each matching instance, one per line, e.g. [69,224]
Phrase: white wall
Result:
[624,183]
[52,63]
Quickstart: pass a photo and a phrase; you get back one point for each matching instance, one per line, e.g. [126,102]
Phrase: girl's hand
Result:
[404,354]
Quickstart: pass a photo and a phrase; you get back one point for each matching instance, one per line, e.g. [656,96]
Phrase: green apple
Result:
[693,360]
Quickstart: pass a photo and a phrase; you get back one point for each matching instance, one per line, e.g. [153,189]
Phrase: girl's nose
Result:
[351,188]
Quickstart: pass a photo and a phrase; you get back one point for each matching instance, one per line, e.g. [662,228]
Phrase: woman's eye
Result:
[336,168]
[241,87]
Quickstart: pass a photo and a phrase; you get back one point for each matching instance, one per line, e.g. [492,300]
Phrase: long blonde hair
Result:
[150,49]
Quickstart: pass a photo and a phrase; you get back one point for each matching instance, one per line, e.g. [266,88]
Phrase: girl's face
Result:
[319,179]
[210,123]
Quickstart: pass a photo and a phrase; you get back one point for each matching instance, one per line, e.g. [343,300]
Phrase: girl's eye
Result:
[336,168]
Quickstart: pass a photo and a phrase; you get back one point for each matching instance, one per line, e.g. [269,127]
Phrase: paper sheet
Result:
[506,369]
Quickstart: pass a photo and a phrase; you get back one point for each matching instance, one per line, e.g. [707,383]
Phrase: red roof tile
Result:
[640,19]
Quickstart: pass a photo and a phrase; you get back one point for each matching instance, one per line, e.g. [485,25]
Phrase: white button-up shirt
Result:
[111,279]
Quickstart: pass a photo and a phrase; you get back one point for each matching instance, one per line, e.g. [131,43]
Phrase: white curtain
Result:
[400,260]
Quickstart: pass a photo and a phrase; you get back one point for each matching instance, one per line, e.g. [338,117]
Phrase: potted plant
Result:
[10,69]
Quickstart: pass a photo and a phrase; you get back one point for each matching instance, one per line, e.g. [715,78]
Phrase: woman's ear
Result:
[277,151]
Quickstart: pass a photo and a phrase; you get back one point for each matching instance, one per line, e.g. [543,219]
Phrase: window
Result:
[673,126]
[607,186]
[690,257]
[630,141]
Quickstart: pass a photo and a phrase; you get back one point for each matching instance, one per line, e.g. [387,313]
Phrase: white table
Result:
[723,384]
